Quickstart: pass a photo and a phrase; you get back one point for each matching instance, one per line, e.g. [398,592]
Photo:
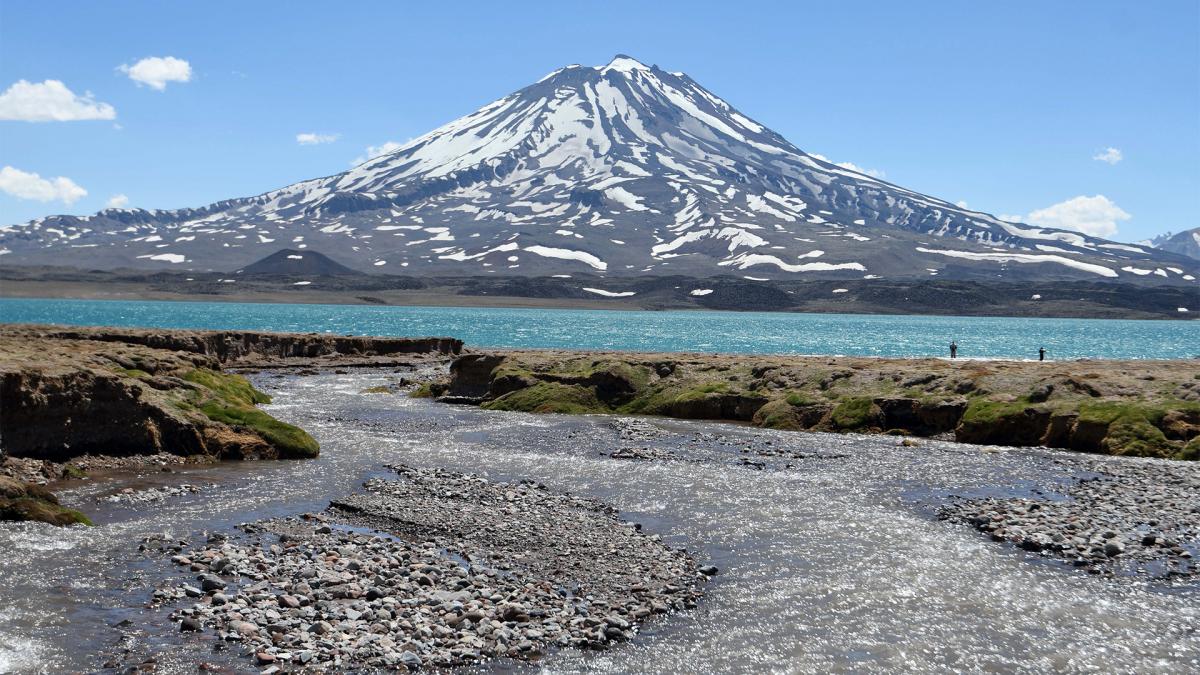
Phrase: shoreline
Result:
[899,297]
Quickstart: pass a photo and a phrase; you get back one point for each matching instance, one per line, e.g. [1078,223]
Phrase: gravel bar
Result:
[437,569]
[1118,518]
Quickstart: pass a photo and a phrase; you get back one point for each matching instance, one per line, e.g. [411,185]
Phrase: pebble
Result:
[150,495]
[462,570]
[1118,518]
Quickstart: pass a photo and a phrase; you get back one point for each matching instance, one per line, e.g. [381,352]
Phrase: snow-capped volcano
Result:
[622,169]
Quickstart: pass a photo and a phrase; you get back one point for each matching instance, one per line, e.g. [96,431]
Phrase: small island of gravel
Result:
[435,569]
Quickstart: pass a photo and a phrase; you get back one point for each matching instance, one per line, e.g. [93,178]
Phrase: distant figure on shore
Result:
[1041,353]
[953,349]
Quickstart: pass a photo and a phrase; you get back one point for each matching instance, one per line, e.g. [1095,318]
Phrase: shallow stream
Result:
[830,556]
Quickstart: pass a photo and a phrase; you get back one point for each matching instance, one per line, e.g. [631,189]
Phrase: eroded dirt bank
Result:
[95,397]
[253,348]
[1136,408]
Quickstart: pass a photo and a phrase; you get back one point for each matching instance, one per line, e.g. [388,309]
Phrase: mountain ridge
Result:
[1185,243]
[623,169]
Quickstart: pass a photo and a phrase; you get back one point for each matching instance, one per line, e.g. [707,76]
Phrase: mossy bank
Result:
[1137,408]
[72,393]
[67,398]
[28,501]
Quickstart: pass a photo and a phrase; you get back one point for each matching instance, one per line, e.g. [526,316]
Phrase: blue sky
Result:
[1001,105]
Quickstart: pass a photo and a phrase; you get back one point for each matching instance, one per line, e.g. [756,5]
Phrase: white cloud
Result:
[316,139]
[50,101]
[876,173]
[117,202]
[1110,155]
[156,71]
[962,204]
[374,151]
[25,185]
[1097,216]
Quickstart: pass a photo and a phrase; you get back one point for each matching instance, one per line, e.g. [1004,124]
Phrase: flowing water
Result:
[829,563]
[692,331]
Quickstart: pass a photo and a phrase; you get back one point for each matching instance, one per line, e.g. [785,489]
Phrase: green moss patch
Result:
[1134,435]
[659,398]
[72,471]
[702,391]
[1107,412]
[799,399]
[550,397]
[854,413]
[422,391]
[290,441]
[231,399]
[1191,451]
[987,411]
[1133,427]
[28,508]
[133,372]
[656,400]
[231,388]
[778,415]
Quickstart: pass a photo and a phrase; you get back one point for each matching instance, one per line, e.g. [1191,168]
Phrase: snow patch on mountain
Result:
[610,294]
[568,254]
[745,260]
[1026,258]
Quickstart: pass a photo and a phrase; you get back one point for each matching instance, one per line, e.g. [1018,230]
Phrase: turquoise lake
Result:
[692,331]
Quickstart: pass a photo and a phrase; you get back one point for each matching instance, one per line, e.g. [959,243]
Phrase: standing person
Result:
[953,349]
[1041,353]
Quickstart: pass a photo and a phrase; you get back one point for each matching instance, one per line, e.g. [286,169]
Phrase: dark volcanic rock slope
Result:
[1185,243]
[295,262]
[623,169]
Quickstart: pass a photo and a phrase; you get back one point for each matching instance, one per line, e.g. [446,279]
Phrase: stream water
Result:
[829,563]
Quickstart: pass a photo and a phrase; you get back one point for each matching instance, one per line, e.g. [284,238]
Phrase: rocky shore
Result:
[436,569]
[1117,519]
[74,399]
[1134,408]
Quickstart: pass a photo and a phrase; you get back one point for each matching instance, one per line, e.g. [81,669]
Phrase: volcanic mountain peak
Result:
[625,169]
[624,64]
[298,262]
